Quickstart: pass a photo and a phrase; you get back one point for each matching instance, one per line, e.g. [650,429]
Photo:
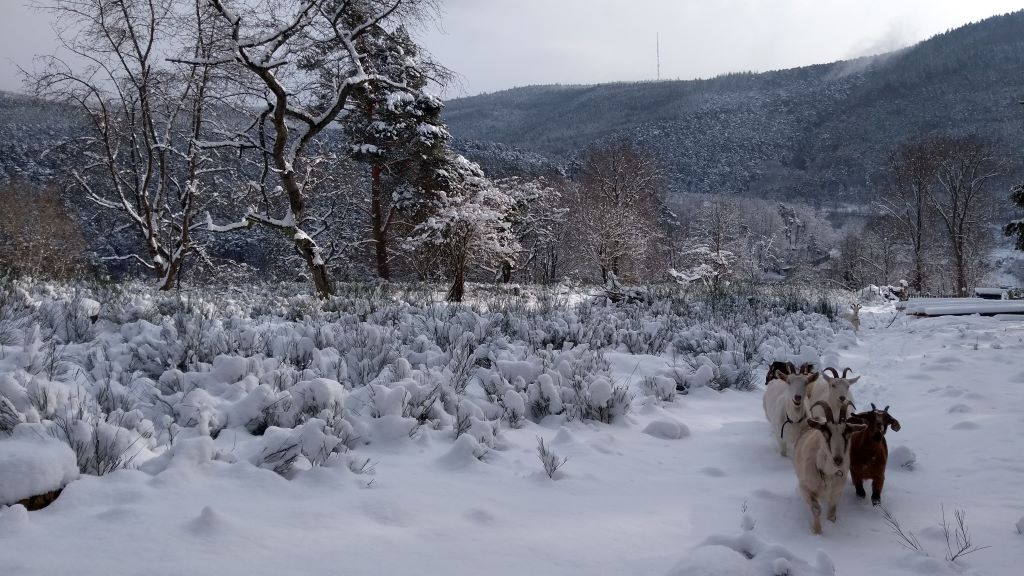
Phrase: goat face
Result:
[878,422]
[837,443]
[837,439]
[797,386]
[839,388]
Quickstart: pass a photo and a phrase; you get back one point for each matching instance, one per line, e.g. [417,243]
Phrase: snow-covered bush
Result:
[297,379]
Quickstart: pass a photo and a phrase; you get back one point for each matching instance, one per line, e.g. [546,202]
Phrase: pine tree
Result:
[399,133]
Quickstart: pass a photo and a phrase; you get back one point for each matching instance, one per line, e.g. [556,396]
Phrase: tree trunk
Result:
[169,276]
[506,272]
[961,272]
[917,282]
[380,238]
[458,289]
[304,245]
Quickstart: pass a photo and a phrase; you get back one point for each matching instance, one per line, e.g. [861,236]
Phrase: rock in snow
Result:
[31,467]
[667,429]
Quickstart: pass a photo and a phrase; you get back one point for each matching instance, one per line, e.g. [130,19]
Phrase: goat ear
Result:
[853,380]
[826,377]
[894,424]
[856,425]
[816,424]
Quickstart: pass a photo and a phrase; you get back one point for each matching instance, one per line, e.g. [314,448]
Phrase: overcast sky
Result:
[498,44]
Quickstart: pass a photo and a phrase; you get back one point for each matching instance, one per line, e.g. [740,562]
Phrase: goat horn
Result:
[829,415]
[790,368]
[873,407]
[846,371]
[835,374]
[886,409]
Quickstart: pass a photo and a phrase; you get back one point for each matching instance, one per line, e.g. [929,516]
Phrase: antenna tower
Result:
[657,51]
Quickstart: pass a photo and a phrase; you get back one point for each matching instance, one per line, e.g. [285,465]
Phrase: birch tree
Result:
[965,166]
[139,160]
[912,168]
[617,207]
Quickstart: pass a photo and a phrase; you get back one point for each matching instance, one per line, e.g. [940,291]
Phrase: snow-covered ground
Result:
[687,487]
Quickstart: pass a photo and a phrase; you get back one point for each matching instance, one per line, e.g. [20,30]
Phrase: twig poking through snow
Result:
[551,461]
[959,534]
[905,538]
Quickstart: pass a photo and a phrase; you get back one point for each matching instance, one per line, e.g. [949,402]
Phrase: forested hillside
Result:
[814,132]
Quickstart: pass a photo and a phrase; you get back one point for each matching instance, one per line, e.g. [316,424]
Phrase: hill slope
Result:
[814,131]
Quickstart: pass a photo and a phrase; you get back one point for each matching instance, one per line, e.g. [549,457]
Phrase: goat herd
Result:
[802,407]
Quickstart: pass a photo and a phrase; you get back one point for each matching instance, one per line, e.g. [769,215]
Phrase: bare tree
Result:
[140,158]
[965,166]
[538,219]
[717,226]
[912,169]
[617,207]
[297,65]
[870,255]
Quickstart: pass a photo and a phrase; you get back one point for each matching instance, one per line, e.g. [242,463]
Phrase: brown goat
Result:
[779,370]
[869,451]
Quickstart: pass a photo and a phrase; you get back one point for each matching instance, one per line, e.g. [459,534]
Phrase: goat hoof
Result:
[875,500]
[861,494]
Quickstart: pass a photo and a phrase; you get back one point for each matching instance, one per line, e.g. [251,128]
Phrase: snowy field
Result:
[291,437]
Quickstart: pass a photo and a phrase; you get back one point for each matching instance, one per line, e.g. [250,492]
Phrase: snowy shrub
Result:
[306,446]
[544,398]
[9,416]
[100,447]
[660,387]
[299,379]
[514,408]
[15,313]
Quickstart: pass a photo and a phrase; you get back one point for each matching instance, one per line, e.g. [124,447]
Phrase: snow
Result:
[682,487]
[33,466]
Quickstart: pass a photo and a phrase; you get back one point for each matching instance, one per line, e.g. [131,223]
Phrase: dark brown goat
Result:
[782,369]
[779,370]
[869,451]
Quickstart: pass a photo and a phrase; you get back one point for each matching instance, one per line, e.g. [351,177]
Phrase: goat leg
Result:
[812,500]
[858,483]
[834,494]
[876,489]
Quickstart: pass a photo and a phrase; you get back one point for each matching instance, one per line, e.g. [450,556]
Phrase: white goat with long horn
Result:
[833,390]
[822,460]
[785,408]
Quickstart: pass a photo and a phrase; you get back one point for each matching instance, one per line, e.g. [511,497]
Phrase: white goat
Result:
[834,391]
[822,460]
[854,316]
[785,409]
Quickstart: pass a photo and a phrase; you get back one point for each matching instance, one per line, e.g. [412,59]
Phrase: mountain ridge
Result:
[815,131]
